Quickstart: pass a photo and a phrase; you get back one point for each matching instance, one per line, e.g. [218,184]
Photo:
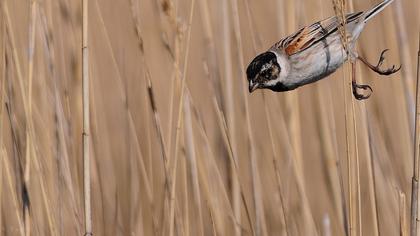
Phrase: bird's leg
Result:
[355,86]
[376,68]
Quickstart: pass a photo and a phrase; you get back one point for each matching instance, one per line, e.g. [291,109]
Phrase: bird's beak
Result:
[252,86]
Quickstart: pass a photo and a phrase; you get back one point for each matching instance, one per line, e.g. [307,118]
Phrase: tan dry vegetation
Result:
[178,146]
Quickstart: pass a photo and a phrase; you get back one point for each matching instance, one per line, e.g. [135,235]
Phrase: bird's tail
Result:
[375,10]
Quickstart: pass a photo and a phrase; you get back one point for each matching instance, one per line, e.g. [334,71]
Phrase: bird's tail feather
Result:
[375,10]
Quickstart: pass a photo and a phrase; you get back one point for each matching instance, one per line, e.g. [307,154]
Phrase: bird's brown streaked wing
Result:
[310,35]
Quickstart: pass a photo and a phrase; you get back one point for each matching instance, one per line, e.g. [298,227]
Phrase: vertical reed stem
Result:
[86,129]
[355,218]
[402,202]
[415,179]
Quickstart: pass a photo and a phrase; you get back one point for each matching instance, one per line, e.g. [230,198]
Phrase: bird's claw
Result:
[382,58]
[380,71]
[360,96]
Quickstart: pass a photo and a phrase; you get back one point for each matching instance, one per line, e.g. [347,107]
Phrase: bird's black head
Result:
[263,69]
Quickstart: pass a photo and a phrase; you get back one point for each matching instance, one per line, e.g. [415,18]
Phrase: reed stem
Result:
[415,179]
[86,128]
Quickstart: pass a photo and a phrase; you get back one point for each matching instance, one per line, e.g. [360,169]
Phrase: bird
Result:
[313,53]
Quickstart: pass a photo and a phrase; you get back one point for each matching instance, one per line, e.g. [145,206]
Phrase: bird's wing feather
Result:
[310,35]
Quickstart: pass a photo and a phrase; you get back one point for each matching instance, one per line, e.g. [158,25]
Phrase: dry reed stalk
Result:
[100,187]
[86,123]
[172,194]
[204,172]
[215,213]
[33,148]
[30,78]
[402,215]
[179,120]
[276,167]
[150,92]
[220,213]
[276,163]
[372,174]
[230,111]
[177,73]
[64,189]
[367,151]
[211,197]
[261,225]
[281,197]
[404,51]
[356,149]
[46,202]
[149,168]
[15,202]
[15,57]
[213,226]
[143,171]
[293,126]
[281,6]
[1,178]
[150,95]
[350,174]
[212,60]
[174,87]
[146,173]
[304,204]
[136,21]
[355,163]
[370,168]
[258,205]
[291,103]
[210,207]
[2,84]
[22,85]
[169,9]
[29,125]
[326,225]
[356,145]
[143,174]
[158,126]
[192,161]
[226,139]
[64,166]
[332,161]
[165,159]
[157,121]
[173,210]
[185,187]
[351,131]
[416,166]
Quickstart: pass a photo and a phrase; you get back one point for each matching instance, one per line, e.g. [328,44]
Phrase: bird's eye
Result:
[266,74]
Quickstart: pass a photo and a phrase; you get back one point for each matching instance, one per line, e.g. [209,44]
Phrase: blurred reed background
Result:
[178,146]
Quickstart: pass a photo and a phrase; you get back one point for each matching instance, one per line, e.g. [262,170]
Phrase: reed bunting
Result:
[313,53]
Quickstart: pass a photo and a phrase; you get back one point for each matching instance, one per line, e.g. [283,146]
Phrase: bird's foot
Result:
[377,68]
[360,96]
